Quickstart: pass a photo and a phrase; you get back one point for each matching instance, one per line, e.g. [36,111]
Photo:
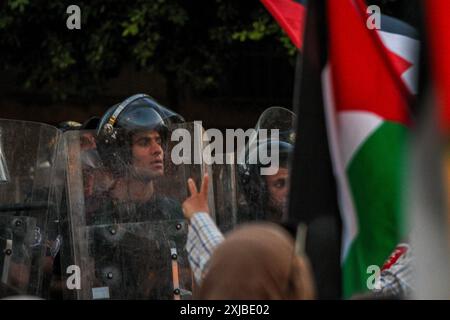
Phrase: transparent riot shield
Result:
[136,261]
[16,239]
[235,198]
[123,225]
[28,226]
[241,192]
[278,118]
[225,201]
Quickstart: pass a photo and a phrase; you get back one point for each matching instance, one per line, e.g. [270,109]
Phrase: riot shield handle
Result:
[175,275]
[7,260]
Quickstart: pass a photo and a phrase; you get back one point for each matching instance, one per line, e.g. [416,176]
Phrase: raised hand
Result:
[198,201]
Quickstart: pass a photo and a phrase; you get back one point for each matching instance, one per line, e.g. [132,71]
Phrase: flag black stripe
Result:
[393,25]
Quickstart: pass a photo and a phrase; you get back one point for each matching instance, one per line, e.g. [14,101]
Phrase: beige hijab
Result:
[257,261]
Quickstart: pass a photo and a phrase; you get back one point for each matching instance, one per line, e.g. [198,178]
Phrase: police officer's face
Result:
[277,186]
[147,154]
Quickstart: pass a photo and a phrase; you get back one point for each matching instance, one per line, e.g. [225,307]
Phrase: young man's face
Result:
[147,154]
[277,186]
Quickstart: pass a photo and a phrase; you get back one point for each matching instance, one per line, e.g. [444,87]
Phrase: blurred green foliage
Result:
[191,43]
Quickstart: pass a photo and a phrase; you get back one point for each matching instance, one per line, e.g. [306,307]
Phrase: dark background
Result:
[222,62]
[219,61]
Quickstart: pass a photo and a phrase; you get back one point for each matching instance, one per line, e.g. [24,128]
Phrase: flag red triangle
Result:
[364,73]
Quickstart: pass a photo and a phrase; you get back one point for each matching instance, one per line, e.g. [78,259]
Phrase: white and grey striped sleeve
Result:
[203,237]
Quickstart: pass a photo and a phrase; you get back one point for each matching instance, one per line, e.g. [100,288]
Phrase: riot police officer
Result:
[132,138]
[265,197]
[132,234]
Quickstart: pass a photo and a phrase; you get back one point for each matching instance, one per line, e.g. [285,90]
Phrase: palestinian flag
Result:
[369,84]
[353,107]
[290,15]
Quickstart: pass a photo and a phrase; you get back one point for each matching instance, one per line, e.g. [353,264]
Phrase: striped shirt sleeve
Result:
[203,237]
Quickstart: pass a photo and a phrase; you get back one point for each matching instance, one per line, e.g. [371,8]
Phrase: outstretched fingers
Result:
[204,187]
[192,187]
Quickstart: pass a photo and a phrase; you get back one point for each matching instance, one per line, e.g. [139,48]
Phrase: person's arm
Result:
[203,237]
[203,234]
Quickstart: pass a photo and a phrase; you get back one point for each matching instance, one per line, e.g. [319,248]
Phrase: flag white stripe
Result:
[348,212]
[354,129]
[407,48]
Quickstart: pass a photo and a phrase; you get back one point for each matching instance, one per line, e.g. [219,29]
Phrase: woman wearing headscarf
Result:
[257,262]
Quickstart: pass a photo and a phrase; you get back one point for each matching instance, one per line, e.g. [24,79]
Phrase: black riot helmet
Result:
[139,112]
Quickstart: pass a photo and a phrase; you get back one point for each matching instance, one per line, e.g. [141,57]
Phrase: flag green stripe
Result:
[376,181]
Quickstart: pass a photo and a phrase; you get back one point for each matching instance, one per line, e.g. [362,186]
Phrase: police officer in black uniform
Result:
[132,140]
[135,248]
